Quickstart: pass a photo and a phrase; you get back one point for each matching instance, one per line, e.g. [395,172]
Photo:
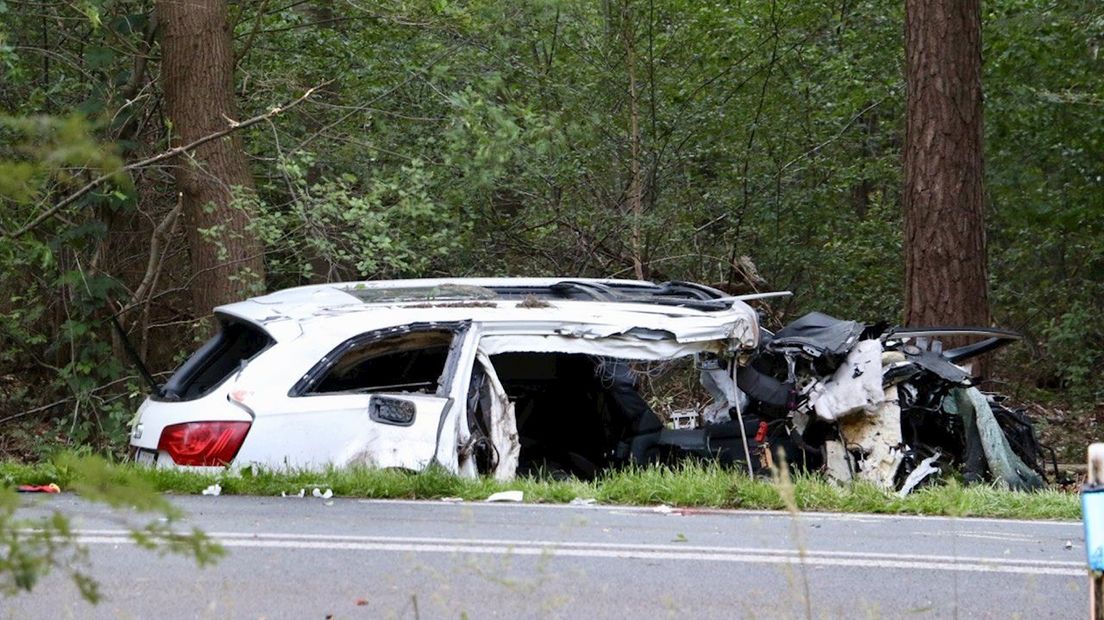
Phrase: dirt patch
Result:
[1067,430]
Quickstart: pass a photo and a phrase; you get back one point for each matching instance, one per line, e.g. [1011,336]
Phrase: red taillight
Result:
[203,443]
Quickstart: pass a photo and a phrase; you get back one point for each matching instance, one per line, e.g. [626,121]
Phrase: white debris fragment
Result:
[1069,544]
[214,489]
[301,493]
[583,501]
[452,500]
[506,496]
[663,509]
[855,386]
[923,470]
[318,493]
[878,438]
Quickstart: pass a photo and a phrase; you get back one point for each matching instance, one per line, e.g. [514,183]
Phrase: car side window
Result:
[412,362]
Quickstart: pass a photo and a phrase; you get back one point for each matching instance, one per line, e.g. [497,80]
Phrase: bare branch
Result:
[169,154]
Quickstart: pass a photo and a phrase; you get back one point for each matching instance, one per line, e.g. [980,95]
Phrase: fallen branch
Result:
[232,126]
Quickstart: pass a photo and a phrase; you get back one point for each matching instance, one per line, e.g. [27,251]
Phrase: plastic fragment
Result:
[39,488]
[916,476]
[318,493]
[583,501]
[506,496]
[215,489]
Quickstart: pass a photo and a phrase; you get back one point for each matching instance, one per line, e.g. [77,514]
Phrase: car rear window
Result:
[231,348]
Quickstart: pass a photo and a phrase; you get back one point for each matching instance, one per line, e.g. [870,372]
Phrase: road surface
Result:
[347,558]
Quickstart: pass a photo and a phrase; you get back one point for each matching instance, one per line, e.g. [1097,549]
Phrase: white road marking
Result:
[994,536]
[620,551]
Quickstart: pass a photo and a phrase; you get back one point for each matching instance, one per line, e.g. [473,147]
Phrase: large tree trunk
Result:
[945,257]
[197,73]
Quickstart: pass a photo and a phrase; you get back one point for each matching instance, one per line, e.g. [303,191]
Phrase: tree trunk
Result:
[945,256]
[197,73]
[636,203]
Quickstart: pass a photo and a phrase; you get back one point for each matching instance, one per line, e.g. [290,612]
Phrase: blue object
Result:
[1092,513]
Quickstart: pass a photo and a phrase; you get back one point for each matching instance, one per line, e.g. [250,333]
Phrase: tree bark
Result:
[945,255]
[197,72]
[636,203]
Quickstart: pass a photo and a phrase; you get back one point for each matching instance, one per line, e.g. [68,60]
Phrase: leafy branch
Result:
[231,127]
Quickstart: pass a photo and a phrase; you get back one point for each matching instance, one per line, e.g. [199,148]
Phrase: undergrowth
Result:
[690,485]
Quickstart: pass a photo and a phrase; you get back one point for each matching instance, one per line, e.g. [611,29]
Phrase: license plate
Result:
[145,457]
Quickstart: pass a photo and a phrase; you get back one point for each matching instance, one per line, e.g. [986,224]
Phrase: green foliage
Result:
[1071,343]
[42,152]
[689,485]
[1044,177]
[493,138]
[30,548]
[349,228]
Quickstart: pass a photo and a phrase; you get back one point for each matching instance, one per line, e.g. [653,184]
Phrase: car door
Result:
[376,400]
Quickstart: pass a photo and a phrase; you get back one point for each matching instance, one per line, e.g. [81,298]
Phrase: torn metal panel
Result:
[453,431]
[994,339]
[935,363]
[877,438]
[818,334]
[855,387]
[925,469]
[726,396]
[497,407]
[837,462]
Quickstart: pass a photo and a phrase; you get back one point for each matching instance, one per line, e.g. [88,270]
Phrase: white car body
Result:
[291,426]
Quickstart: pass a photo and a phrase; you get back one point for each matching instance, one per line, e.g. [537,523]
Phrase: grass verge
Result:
[691,485]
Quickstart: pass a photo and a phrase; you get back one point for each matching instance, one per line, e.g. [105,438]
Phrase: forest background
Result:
[749,145]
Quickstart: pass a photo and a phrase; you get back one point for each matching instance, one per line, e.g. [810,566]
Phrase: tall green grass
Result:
[690,486]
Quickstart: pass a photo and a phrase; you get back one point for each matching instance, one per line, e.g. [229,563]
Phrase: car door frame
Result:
[368,438]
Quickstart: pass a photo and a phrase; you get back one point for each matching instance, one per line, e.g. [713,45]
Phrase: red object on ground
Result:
[39,488]
[761,434]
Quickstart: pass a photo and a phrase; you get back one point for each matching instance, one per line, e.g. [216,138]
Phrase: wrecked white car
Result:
[503,377]
[887,405]
[480,376]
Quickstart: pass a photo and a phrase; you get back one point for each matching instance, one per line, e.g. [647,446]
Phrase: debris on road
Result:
[506,496]
[214,489]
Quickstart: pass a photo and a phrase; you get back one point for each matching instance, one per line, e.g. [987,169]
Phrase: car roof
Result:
[353,306]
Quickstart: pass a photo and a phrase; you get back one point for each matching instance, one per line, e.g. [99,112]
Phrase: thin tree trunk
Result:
[945,255]
[636,206]
[197,72]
